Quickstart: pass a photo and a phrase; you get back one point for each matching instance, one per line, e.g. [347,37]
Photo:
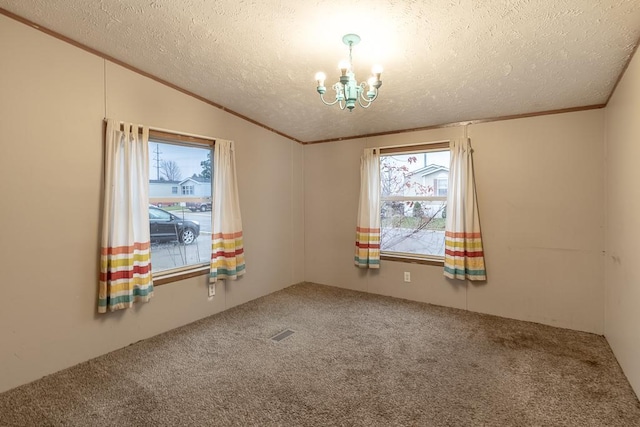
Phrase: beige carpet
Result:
[355,359]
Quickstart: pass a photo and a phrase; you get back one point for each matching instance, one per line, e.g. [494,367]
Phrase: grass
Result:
[174,208]
[413,222]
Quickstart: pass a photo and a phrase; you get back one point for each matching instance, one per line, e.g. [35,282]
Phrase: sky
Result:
[187,158]
[432,158]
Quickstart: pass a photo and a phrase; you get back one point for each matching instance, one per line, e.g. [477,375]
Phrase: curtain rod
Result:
[414,145]
[176,132]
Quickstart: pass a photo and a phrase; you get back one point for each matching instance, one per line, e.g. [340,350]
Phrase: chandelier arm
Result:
[363,105]
[327,103]
[342,106]
[362,92]
[365,99]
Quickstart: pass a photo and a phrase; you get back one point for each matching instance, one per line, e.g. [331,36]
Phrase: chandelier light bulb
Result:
[320,78]
[344,67]
[376,70]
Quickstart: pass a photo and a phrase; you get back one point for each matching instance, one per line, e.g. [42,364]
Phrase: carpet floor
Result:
[354,359]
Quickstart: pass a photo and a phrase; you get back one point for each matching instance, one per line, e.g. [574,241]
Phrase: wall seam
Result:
[605,228]
[304,215]
[104,78]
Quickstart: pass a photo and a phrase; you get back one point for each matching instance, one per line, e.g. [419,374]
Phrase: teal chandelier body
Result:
[348,90]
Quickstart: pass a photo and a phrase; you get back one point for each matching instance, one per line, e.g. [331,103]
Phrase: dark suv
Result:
[199,206]
[167,227]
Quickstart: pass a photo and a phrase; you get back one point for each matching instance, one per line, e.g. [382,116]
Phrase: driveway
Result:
[173,254]
[426,242]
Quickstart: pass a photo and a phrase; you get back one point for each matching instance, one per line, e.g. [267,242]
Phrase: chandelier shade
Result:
[348,90]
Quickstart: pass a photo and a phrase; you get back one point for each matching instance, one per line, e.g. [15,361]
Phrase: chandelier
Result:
[348,90]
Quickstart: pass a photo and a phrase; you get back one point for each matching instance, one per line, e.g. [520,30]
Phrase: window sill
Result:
[170,276]
[412,259]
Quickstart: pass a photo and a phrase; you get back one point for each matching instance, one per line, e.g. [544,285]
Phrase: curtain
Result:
[227,251]
[464,257]
[368,222]
[125,253]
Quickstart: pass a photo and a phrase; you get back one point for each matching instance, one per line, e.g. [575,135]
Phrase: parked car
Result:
[167,227]
[199,206]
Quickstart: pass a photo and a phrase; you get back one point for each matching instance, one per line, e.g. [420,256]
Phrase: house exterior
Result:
[168,193]
[429,181]
[193,186]
[159,188]
[433,179]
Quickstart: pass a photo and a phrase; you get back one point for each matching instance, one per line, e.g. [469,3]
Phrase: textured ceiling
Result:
[445,60]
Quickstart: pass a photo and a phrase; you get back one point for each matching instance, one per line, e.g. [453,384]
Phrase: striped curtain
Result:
[227,251]
[464,257]
[368,222]
[125,253]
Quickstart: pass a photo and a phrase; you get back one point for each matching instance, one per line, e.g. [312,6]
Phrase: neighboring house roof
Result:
[201,180]
[162,181]
[429,169]
[197,180]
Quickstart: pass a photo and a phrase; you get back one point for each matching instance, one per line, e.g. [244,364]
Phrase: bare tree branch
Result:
[170,170]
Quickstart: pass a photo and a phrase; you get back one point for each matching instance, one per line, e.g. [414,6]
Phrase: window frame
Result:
[201,269]
[405,256]
[438,188]
[188,190]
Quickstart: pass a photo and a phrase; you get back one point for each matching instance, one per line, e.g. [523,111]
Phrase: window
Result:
[441,186]
[180,237]
[414,184]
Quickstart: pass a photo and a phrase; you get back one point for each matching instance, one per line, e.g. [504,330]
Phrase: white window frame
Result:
[406,150]
[438,187]
[192,270]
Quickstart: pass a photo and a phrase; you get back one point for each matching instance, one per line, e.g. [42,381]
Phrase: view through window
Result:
[179,220]
[413,211]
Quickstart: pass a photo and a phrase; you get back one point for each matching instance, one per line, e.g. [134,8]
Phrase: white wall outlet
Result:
[407,276]
[212,289]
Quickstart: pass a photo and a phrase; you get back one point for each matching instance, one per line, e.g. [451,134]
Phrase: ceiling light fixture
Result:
[347,89]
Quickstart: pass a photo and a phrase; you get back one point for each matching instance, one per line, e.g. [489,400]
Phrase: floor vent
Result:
[282,335]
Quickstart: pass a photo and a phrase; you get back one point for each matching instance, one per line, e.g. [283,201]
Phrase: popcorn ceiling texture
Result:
[445,60]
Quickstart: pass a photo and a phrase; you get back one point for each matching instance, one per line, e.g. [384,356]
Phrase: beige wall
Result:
[540,191]
[53,100]
[622,277]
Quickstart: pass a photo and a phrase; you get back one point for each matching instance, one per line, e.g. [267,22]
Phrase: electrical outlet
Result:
[407,276]
[212,289]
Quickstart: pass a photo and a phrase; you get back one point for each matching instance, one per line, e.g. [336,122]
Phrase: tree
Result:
[206,167]
[417,210]
[396,179]
[170,170]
